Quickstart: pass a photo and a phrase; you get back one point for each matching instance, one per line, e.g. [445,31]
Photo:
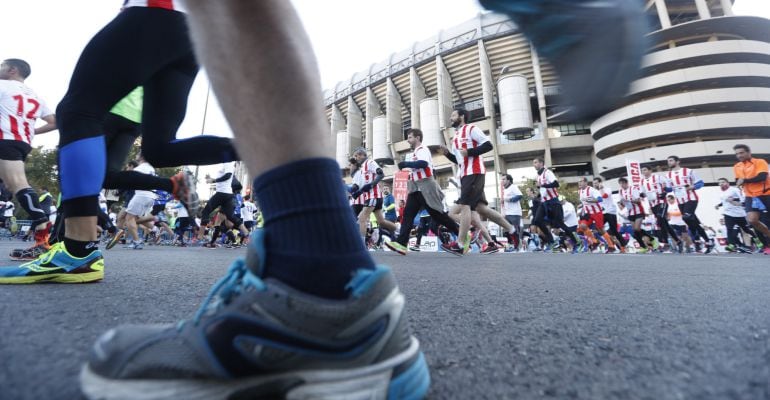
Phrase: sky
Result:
[347,35]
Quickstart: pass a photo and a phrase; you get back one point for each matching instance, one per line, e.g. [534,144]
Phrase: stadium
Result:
[704,86]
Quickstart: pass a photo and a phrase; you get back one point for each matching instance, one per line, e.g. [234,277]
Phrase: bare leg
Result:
[282,74]
[494,216]
[132,227]
[363,220]
[384,223]
[259,58]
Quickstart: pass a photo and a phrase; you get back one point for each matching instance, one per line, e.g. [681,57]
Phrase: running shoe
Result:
[766,251]
[397,247]
[709,247]
[115,239]
[30,253]
[185,191]
[642,250]
[655,244]
[56,265]
[414,248]
[743,249]
[596,47]
[490,248]
[260,338]
[137,245]
[453,248]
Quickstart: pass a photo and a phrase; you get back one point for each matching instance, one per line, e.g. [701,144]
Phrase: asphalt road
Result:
[503,326]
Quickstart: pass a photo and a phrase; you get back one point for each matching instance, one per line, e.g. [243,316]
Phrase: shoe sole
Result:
[114,240]
[397,250]
[85,277]
[22,258]
[404,376]
[452,252]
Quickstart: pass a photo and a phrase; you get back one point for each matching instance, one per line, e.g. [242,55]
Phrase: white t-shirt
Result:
[9,208]
[247,211]
[181,211]
[175,5]
[226,186]
[608,204]
[102,202]
[570,214]
[20,108]
[145,168]
[731,209]
[512,207]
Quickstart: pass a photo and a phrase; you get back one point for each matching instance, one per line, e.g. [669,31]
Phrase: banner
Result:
[428,243]
[400,190]
[634,171]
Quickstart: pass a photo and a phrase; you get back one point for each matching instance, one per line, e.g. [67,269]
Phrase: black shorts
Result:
[157,209]
[249,224]
[226,203]
[634,217]
[376,203]
[472,191]
[14,150]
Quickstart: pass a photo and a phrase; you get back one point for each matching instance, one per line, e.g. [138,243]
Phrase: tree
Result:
[42,169]
[162,172]
[568,190]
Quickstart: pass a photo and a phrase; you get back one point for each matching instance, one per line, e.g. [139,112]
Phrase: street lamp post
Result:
[203,124]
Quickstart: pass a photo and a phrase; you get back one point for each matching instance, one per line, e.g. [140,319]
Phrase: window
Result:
[581,128]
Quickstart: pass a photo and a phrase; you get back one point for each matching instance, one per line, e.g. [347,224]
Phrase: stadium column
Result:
[337,124]
[488,94]
[541,104]
[703,9]
[373,109]
[417,93]
[727,8]
[355,123]
[660,6]
[394,126]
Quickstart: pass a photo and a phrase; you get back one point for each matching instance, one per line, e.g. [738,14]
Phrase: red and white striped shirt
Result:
[589,193]
[679,180]
[628,197]
[20,108]
[469,137]
[167,4]
[358,180]
[368,173]
[421,153]
[545,178]
[653,189]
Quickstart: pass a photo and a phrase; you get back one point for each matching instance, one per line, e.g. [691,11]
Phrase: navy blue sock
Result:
[312,242]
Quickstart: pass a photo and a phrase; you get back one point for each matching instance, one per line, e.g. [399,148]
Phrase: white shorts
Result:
[140,205]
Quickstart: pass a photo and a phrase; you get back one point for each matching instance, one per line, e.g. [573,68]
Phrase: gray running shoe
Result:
[255,338]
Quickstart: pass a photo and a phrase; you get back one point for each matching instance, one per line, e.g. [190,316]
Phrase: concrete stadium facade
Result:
[704,86]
